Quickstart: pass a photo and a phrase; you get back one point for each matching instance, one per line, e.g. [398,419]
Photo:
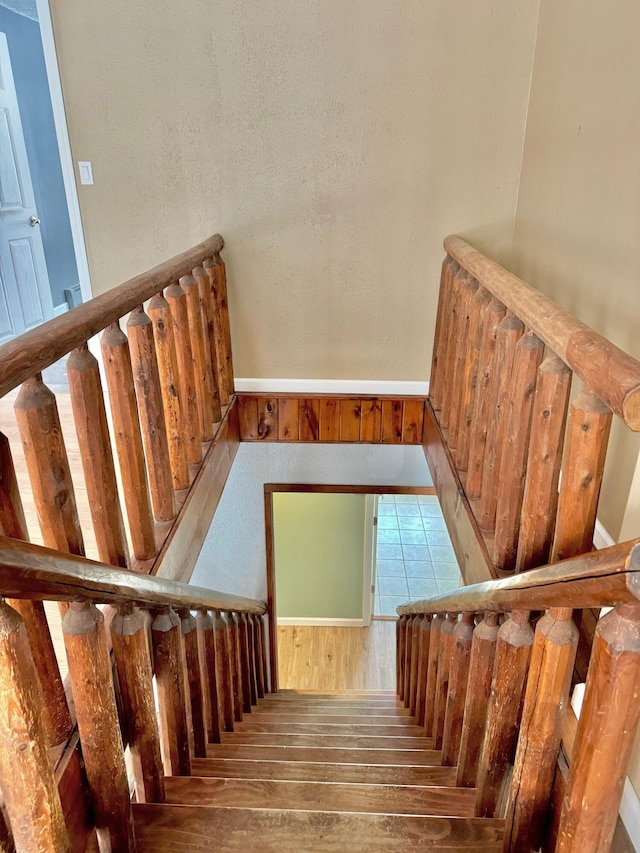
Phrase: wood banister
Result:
[40,574]
[611,374]
[42,346]
[598,579]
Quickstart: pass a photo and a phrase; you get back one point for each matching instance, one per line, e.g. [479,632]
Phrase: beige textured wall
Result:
[577,226]
[334,144]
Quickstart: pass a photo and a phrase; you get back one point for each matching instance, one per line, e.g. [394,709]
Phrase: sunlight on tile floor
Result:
[414,557]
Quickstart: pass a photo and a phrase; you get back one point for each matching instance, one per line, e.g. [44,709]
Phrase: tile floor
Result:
[414,557]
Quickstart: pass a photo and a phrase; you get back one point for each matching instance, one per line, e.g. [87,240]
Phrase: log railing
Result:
[495,699]
[166,360]
[209,670]
[528,464]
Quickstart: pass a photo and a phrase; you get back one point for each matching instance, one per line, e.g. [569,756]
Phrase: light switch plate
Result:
[86,171]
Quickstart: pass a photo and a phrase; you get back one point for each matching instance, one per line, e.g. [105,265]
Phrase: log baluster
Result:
[217,339]
[441,334]
[432,674]
[210,355]
[445,651]
[124,412]
[193,683]
[470,381]
[98,725]
[458,677]
[26,776]
[509,333]
[486,381]
[48,467]
[582,466]
[160,315]
[264,654]
[515,447]
[251,645]
[459,281]
[151,412]
[223,671]
[90,417]
[546,699]
[483,651]
[401,638]
[130,639]
[234,634]
[248,698]
[604,738]
[258,652]
[177,300]
[414,662]
[406,666]
[540,499]
[53,702]
[457,412]
[203,382]
[167,663]
[207,654]
[513,651]
[217,272]
[423,654]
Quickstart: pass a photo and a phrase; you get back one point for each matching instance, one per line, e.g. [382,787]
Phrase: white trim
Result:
[60,309]
[320,622]
[630,812]
[64,147]
[601,536]
[371,387]
[370,502]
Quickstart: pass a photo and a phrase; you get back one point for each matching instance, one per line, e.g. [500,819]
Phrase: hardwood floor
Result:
[319,658]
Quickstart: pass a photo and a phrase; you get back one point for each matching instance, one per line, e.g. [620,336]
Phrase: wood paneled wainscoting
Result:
[331,418]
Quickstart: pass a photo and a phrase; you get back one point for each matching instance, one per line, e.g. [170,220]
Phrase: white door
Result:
[25,297]
[370,545]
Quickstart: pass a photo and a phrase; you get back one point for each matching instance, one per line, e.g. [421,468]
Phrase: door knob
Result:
[33,221]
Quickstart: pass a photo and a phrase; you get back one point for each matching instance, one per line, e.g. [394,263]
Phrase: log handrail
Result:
[39,348]
[40,574]
[606,370]
[597,579]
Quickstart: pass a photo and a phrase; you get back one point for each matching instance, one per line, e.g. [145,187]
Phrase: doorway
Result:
[43,270]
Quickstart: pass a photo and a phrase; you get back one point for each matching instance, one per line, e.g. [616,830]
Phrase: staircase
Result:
[318,771]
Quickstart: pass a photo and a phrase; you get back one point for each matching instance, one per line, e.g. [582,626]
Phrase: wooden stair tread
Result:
[199,829]
[345,719]
[385,710]
[321,796]
[249,726]
[325,740]
[329,755]
[308,771]
[292,691]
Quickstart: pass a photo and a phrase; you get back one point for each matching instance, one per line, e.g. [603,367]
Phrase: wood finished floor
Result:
[320,658]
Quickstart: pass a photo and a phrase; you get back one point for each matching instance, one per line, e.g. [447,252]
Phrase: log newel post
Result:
[169,670]
[130,638]
[98,724]
[605,735]
[513,650]
[30,790]
[546,699]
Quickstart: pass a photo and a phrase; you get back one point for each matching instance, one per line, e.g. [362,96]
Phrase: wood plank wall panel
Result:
[331,418]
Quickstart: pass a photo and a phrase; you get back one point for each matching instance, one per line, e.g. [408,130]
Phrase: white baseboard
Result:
[372,387]
[60,309]
[601,537]
[320,622]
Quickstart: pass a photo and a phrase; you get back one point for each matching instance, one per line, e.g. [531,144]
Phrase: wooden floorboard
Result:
[305,771]
[165,829]
[332,796]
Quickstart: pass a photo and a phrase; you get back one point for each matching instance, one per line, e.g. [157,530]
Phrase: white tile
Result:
[390,568]
[387,522]
[415,552]
[431,509]
[410,522]
[387,499]
[406,499]
[418,569]
[434,522]
[446,571]
[447,585]
[438,538]
[389,535]
[389,552]
[422,587]
[388,604]
[386,509]
[412,537]
[442,554]
[428,499]
[408,509]
[393,586]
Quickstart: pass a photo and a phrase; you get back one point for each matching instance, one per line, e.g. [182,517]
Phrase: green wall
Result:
[319,554]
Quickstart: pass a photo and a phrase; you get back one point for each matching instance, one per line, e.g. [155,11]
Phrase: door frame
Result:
[64,147]
[269,489]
